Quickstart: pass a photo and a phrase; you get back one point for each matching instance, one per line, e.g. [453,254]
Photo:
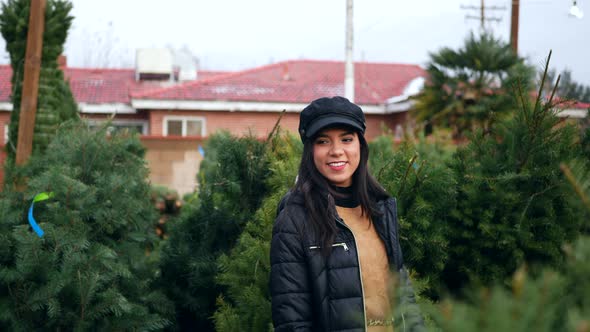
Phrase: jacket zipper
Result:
[341,222]
[343,245]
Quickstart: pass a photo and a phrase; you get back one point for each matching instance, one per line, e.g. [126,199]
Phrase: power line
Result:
[482,8]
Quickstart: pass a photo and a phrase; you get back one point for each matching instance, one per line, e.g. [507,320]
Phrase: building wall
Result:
[173,162]
[4,121]
[261,123]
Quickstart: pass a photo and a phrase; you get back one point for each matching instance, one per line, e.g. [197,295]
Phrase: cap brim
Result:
[331,121]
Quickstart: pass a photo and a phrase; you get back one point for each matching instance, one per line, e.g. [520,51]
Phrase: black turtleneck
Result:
[345,197]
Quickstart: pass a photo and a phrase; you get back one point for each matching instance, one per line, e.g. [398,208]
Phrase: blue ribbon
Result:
[32,221]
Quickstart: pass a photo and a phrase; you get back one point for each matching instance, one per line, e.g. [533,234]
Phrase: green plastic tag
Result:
[42,196]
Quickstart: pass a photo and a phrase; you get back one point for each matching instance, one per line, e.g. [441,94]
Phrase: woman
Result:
[335,239]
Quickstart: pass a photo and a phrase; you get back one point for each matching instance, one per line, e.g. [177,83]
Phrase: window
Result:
[6,133]
[184,126]
[131,126]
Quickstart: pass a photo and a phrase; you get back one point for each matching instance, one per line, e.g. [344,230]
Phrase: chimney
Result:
[186,63]
[62,62]
[286,75]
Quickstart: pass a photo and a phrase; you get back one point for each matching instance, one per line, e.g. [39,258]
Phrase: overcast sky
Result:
[238,34]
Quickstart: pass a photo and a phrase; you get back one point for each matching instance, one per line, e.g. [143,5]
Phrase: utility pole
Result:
[482,13]
[28,106]
[514,25]
[349,67]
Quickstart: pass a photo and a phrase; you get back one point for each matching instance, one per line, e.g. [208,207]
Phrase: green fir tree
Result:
[513,205]
[245,271]
[417,175]
[55,102]
[556,300]
[92,269]
[231,188]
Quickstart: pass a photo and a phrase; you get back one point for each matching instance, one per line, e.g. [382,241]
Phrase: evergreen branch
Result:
[276,126]
[380,173]
[538,117]
[418,179]
[554,90]
[524,103]
[17,311]
[82,306]
[540,93]
[573,180]
[530,200]
[420,168]
[401,189]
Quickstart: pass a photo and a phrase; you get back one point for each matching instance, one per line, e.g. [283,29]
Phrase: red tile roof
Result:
[99,86]
[297,81]
[576,105]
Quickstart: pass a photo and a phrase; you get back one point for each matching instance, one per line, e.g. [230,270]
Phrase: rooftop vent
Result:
[186,64]
[154,64]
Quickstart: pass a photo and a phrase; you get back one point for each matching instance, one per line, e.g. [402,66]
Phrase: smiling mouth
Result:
[337,165]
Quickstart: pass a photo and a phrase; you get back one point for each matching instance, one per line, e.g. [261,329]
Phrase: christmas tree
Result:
[418,176]
[556,300]
[512,203]
[55,103]
[244,272]
[92,268]
[231,188]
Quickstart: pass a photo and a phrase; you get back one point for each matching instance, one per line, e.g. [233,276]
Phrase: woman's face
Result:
[337,154]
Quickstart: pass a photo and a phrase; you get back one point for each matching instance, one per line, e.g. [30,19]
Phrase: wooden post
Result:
[28,106]
[349,64]
[482,15]
[514,25]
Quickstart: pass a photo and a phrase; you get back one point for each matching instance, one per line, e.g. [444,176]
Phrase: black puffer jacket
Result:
[313,293]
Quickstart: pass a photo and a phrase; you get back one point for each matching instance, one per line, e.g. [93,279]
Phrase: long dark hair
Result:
[319,193]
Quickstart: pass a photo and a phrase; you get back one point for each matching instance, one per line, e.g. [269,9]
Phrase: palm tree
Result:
[472,87]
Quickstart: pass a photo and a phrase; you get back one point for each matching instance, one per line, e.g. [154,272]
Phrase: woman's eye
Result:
[321,141]
[347,139]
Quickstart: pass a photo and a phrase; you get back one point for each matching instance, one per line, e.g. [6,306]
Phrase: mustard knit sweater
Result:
[374,266]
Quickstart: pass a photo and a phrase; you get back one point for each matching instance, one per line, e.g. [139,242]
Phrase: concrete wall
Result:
[173,162]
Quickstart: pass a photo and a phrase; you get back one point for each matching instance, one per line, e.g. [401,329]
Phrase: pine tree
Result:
[577,173]
[512,205]
[92,269]
[231,188]
[245,271]
[557,300]
[56,103]
[471,87]
[417,175]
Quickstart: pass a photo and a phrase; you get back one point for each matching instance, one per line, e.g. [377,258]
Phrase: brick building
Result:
[175,113]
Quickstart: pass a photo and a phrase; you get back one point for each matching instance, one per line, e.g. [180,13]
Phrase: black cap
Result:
[328,112]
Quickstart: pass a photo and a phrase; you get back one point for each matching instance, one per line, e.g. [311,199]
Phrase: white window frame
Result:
[129,122]
[184,120]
